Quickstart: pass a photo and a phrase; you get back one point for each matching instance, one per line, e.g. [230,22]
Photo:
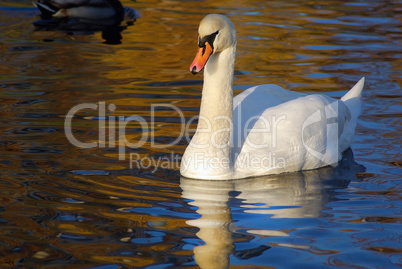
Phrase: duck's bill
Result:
[201,58]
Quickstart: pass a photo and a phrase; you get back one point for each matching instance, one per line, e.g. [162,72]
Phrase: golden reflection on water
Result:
[67,205]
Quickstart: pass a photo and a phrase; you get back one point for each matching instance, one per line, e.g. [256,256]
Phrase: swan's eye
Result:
[209,38]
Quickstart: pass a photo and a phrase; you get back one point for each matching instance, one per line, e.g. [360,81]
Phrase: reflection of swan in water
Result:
[292,195]
[108,16]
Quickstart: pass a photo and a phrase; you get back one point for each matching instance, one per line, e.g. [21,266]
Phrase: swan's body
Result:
[265,129]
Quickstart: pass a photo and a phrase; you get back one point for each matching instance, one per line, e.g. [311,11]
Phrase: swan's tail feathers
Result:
[356,91]
[353,101]
[352,98]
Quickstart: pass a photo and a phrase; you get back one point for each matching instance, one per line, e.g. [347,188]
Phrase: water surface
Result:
[63,206]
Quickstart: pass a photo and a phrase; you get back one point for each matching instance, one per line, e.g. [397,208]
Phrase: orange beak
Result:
[201,58]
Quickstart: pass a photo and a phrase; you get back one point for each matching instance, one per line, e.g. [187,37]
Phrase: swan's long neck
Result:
[217,93]
[215,124]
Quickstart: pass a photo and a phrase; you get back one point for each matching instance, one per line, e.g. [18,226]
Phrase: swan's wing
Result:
[262,97]
[249,105]
[302,133]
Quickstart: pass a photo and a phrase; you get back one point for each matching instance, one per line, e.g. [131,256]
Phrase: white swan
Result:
[265,129]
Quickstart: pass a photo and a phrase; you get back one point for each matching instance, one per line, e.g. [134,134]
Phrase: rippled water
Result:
[63,206]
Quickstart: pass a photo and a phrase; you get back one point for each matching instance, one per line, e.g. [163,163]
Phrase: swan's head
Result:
[216,33]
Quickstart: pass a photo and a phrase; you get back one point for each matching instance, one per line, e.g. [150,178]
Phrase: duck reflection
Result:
[86,17]
[293,195]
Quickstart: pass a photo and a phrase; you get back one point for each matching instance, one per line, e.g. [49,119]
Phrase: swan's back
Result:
[278,131]
[249,106]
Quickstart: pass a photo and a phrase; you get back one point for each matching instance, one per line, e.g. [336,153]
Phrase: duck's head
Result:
[216,33]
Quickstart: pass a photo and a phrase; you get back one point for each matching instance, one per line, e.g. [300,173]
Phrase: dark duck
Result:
[84,15]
